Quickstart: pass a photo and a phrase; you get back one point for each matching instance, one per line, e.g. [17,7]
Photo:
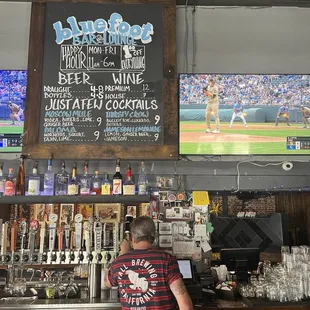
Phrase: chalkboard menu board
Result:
[102,76]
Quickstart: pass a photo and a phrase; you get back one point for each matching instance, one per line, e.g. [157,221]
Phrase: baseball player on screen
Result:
[238,112]
[305,115]
[212,106]
[283,111]
[16,112]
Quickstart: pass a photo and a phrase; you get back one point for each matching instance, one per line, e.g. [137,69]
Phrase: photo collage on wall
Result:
[182,227]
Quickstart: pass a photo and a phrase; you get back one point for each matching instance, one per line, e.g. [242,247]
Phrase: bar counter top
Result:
[21,304]
[27,303]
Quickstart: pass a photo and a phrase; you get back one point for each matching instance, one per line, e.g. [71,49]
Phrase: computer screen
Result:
[185,266]
[240,258]
[12,104]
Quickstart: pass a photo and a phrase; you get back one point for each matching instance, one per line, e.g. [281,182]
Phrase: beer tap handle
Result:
[91,222]
[23,231]
[52,231]
[52,237]
[98,240]
[78,231]
[86,235]
[14,232]
[42,236]
[4,239]
[33,229]
[60,237]
[13,236]
[67,236]
[104,235]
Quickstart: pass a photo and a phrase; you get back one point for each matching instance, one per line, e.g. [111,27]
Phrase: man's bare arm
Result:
[106,280]
[180,293]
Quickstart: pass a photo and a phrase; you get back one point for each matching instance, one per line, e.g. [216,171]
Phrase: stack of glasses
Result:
[285,282]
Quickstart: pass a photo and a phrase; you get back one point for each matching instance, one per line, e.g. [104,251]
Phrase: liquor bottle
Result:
[49,179]
[85,181]
[117,179]
[73,186]
[9,185]
[96,184]
[34,181]
[2,180]
[20,182]
[129,186]
[142,181]
[62,180]
[106,188]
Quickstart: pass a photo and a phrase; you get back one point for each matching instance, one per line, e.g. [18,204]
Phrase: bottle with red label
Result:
[117,179]
[129,187]
[9,186]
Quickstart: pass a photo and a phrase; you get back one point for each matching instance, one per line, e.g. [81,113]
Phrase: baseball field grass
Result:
[7,128]
[257,139]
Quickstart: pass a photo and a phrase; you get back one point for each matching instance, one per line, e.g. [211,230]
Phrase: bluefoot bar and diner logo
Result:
[111,32]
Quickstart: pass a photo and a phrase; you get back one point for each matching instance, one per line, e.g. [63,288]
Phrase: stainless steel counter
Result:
[95,304]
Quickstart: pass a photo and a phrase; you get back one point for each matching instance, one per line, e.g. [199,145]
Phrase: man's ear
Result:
[133,240]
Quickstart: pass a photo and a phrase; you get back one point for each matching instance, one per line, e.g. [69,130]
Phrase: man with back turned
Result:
[147,279]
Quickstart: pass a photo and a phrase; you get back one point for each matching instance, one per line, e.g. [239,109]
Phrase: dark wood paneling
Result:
[35,59]
[4,212]
[31,137]
[297,206]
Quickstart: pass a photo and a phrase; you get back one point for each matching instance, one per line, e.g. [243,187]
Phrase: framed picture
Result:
[66,213]
[132,210]
[165,229]
[165,241]
[164,182]
[108,212]
[163,196]
[87,210]
[145,209]
[42,211]
[179,213]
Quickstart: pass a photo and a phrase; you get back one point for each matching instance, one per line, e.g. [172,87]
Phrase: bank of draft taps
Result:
[77,242]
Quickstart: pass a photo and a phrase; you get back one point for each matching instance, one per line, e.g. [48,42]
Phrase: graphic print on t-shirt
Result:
[137,285]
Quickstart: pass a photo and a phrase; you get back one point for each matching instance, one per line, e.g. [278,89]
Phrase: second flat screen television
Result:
[12,104]
[257,114]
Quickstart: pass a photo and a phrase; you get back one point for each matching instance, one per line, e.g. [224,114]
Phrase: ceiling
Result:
[295,3]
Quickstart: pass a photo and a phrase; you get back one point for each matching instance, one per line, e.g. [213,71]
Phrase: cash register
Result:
[198,287]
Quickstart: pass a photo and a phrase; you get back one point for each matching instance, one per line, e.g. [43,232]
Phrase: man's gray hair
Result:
[143,229]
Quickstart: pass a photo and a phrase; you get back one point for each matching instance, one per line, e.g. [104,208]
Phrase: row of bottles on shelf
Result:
[65,184]
[82,241]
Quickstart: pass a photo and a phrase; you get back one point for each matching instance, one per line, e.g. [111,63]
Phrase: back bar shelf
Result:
[74,199]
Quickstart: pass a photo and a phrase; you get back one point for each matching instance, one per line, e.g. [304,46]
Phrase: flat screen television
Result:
[12,102]
[257,114]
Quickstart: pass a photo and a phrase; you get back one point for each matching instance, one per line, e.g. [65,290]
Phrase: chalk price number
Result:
[97,92]
[97,135]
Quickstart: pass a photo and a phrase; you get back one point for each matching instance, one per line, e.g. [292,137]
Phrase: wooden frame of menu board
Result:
[159,92]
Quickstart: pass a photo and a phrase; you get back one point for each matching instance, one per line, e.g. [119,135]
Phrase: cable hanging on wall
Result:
[185,63]
[194,39]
